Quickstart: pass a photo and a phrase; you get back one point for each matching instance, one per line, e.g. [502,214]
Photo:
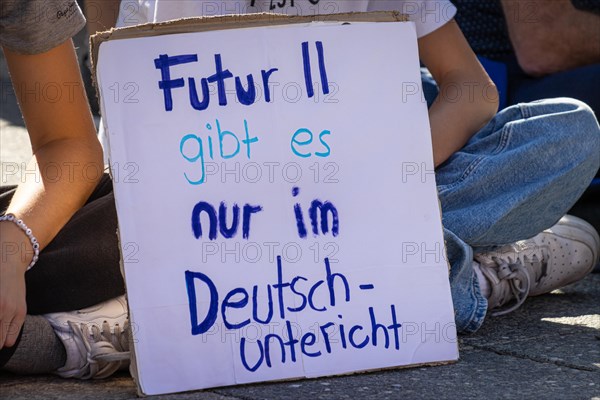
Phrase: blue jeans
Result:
[516,177]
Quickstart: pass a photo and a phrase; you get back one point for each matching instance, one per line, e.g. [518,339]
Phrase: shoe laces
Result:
[106,350]
[509,276]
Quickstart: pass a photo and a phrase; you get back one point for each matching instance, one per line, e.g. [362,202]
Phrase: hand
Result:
[13,307]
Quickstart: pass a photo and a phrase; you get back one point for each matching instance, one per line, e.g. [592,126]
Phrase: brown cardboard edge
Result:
[222,22]
[132,358]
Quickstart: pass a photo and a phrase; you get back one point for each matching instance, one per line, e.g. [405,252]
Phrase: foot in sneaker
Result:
[557,257]
[95,339]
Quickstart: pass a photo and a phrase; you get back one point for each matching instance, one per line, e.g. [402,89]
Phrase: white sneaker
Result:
[95,339]
[557,257]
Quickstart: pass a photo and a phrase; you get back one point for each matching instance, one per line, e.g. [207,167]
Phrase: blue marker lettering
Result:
[325,334]
[248,211]
[268,348]
[299,217]
[311,293]
[164,64]
[211,315]
[307,73]
[246,97]
[328,152]
[302,296]
[194,101]
[197,224]
[375,327]
[265,78]
[309,339]
[279,286]
[255,305]
[395,326]
[295,142]
[228,233]
[325,209]
[243,355]
[220,76]
[351,337]
[228,303]
[199,156]
[248,141]
[222,135]
[342,333]
[322,69]
[330,284]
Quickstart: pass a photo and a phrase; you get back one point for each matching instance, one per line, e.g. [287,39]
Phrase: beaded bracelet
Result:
[32,239]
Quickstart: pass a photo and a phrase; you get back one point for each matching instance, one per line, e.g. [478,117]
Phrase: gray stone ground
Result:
[549,348]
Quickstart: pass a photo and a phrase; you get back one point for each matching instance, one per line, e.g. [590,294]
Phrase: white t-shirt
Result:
[428,15]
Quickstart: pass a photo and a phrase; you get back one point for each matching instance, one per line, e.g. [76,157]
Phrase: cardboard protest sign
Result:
[274,184]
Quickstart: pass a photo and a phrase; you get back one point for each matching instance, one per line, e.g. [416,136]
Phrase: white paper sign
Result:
[277,203]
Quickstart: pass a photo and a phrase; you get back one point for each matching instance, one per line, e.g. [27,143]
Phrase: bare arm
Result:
[468,98]
[67,160]
[551,35]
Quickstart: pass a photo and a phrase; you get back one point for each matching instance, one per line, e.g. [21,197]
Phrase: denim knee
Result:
[576,128]
[586,133]
[590,134]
